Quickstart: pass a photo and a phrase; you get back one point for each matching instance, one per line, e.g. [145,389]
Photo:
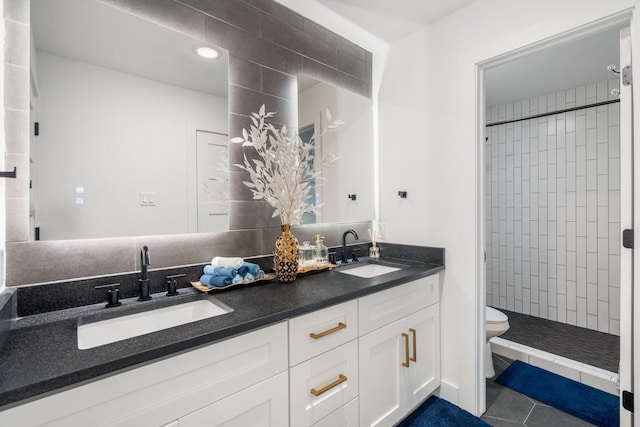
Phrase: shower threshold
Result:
[587,374]
[578,353]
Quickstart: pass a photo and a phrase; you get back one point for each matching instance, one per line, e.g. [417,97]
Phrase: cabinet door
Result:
[380,360]
[262,405]
[399,367]
[423,375]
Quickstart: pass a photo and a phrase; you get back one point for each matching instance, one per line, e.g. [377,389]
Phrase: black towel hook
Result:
[9,174]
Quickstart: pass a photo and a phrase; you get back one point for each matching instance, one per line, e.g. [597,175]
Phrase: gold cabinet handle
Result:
[413,332]
[406,350]
[340,380]
[328,331]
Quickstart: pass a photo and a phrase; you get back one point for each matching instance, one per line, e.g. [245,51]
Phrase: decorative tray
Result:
[311,269]
[204,288]
[267,277]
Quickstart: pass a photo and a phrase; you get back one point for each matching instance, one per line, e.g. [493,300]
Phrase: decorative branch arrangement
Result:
[287,168]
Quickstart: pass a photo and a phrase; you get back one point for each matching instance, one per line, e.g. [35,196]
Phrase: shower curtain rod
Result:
[551,113]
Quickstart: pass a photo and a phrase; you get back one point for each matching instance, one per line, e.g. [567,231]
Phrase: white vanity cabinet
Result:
[399,350]
[323,377]
[162,392]
[364,362]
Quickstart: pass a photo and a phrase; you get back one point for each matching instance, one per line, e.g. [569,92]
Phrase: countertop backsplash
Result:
[43,298]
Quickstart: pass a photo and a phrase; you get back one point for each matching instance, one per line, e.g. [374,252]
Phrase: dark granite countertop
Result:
[41,354]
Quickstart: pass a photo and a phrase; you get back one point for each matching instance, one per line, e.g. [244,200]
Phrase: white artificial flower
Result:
[287,168]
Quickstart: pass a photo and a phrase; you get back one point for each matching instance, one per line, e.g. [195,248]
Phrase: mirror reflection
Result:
[133,130]
[132,126]
[347,192]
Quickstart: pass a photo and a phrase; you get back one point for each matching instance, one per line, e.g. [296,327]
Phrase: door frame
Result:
[627,212]
[625,17]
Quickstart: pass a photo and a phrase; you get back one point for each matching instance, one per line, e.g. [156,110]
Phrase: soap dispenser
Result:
[321,252]
[307,258]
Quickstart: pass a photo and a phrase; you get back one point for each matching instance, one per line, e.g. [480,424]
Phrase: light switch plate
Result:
[147,198]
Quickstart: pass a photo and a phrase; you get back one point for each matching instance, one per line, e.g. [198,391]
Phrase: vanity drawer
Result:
[346,416]
[380,309]
[323,384]
[322,330]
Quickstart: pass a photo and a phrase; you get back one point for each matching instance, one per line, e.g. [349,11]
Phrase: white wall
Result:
[116,135]
[429,146]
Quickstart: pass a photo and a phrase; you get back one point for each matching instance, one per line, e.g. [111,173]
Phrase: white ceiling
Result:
[95,33]
[392,20]
[559,67]
[563,66]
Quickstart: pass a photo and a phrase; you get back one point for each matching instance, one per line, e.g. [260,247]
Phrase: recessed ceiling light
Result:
[207,52]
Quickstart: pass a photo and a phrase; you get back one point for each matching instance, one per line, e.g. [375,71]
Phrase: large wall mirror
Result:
[133,128]
[102,188]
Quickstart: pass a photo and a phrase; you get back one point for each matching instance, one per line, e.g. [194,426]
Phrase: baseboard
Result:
[449,391]
[590,375]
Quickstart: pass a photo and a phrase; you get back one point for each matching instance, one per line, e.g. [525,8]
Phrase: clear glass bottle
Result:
[321,252]
[307,258]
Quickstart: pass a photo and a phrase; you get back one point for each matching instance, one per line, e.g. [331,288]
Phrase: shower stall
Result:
[552,214]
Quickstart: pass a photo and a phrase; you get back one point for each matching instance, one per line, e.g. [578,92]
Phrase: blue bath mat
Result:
[572,397]
[438,412]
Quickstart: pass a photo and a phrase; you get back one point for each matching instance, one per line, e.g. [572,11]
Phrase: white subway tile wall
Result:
[552,208]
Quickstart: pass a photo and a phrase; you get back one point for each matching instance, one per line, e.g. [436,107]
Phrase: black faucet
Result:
[344,244]
[143,282]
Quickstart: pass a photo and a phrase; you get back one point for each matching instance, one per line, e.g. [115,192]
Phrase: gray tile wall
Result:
[552,208]
[269,46]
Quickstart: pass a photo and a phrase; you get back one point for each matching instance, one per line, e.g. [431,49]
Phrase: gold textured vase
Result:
[285,255]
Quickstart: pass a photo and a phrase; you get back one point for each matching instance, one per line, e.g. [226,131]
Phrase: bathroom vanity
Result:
[331,348]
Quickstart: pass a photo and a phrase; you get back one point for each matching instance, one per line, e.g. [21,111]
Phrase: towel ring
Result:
[9,174]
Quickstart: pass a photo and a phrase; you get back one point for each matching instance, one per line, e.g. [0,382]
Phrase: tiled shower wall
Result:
[552,208]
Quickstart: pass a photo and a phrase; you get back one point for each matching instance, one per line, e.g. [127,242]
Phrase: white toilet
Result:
[496,323]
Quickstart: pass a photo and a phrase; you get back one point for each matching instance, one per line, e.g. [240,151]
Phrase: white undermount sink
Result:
[120,328]
[368,271]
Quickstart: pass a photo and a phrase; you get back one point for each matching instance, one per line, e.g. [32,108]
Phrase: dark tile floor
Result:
[507,408]
[583,345]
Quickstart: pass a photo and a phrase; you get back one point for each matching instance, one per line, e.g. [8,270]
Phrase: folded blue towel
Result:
[248,267]
[215,281]
[250,277]
[220,271]
[237,279]
[220,281]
